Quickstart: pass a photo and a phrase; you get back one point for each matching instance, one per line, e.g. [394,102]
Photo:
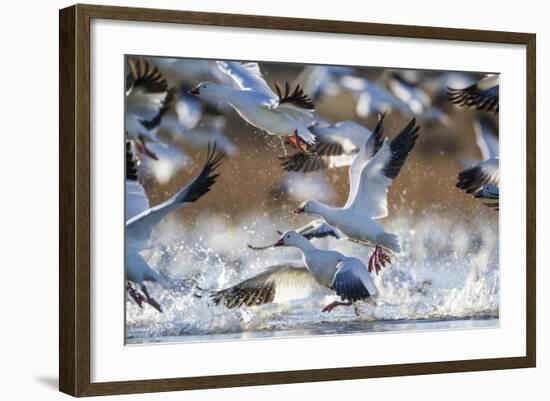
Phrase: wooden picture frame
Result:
[75,207]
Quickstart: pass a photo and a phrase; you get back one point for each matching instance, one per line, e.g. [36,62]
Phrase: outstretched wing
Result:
[140,226]
[247,76]
[379,172]
[136,198]
[277,283]
[486,138]
[294,99]
[336,146]
[352,281]
[147,94]
[475,177]
[364,156]
[317,229]
[483,95]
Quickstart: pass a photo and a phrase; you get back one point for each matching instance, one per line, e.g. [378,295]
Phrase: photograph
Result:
[268,199]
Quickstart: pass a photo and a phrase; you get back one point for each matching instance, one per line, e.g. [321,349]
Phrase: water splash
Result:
[448,270]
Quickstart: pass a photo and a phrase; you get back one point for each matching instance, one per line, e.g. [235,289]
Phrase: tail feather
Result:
[389,242]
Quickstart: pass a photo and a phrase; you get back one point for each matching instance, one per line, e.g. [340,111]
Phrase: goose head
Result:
[206,89]
[290,238]
[309,207]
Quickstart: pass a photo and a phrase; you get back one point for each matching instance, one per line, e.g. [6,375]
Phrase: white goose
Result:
[416,99]
[473,179]
[142,219]
[482,179]
[287,114]
[483,95]
[371,173]
[320,81]
[148,98]
[372,97]
[345,276]
[337,145]
[314,229]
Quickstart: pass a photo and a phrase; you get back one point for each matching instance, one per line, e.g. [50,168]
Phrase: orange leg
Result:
[296,141]
[378,260]
[333,305]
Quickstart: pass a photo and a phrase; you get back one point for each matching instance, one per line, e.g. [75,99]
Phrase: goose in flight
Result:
[286,114]
[372,97]
[375,167]
[142,219]
[490,193]
[483,95]
[322,81]
[315,229]
[346,277]
[148,98]
[417,99]
[337,145]
[482,179]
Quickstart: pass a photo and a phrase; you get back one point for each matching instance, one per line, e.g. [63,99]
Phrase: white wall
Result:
[28,158]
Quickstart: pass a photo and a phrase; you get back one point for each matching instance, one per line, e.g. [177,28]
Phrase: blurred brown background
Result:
[249,180]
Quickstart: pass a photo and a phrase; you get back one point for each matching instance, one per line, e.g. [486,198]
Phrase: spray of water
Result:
[447,271]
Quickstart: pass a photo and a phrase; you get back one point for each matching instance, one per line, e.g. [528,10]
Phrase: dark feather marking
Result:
[349,287]
[297,97]
[324,234]
[239,295]
[472,179]
[325,147]
[201,185]
[474,97]
[400,148]
[493,205]
[300,162]
[166,104]
[141,73]
[131,163]
[375,141]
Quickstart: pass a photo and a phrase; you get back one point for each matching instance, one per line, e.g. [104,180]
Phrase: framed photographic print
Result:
[297,200]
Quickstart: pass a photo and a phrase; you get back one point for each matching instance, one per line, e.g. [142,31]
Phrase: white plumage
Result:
[140,224]
[376,166]
[344,276]
[287,114]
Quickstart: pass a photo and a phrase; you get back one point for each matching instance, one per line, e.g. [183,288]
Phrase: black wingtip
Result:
[302,163]
[400,148]
[166,105]
[131,163]
[376,140]
[143,73]
[471,179]
[296,97]
[207,177]
[474,97]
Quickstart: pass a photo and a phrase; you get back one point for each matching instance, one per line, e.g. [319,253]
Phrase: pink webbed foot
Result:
[298,142]
[378,260]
